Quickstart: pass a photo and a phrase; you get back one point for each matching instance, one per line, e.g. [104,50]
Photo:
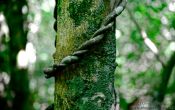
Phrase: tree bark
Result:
[88,84]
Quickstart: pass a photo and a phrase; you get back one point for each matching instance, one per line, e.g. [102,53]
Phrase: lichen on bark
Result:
[87,85]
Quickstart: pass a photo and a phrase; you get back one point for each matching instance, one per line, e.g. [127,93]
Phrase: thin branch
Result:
[145,38]
[166,73]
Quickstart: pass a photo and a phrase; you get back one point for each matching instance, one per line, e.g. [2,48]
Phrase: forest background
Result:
[145,42]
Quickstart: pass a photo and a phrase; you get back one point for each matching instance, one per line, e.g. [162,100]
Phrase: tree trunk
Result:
[19,82]
[88,84]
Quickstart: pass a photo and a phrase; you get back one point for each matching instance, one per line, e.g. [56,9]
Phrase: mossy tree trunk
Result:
[88,84]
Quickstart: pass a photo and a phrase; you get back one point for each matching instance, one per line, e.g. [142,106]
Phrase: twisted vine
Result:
[85,47]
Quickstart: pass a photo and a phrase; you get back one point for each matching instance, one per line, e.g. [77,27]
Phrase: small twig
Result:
[145,38]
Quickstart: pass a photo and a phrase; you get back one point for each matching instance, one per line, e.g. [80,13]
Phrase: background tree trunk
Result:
[19,82]
[87,85]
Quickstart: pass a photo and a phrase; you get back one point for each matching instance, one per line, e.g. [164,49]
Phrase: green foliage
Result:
[139,72]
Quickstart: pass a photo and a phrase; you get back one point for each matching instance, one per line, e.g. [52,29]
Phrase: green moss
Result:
[59,7]
[86,85]
[67,33]
[79,10]
[76,86]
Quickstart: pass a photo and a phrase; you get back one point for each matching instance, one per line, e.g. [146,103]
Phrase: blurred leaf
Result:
[136,38]
[158,8]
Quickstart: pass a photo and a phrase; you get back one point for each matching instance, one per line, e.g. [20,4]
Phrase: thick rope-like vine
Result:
[84,48]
